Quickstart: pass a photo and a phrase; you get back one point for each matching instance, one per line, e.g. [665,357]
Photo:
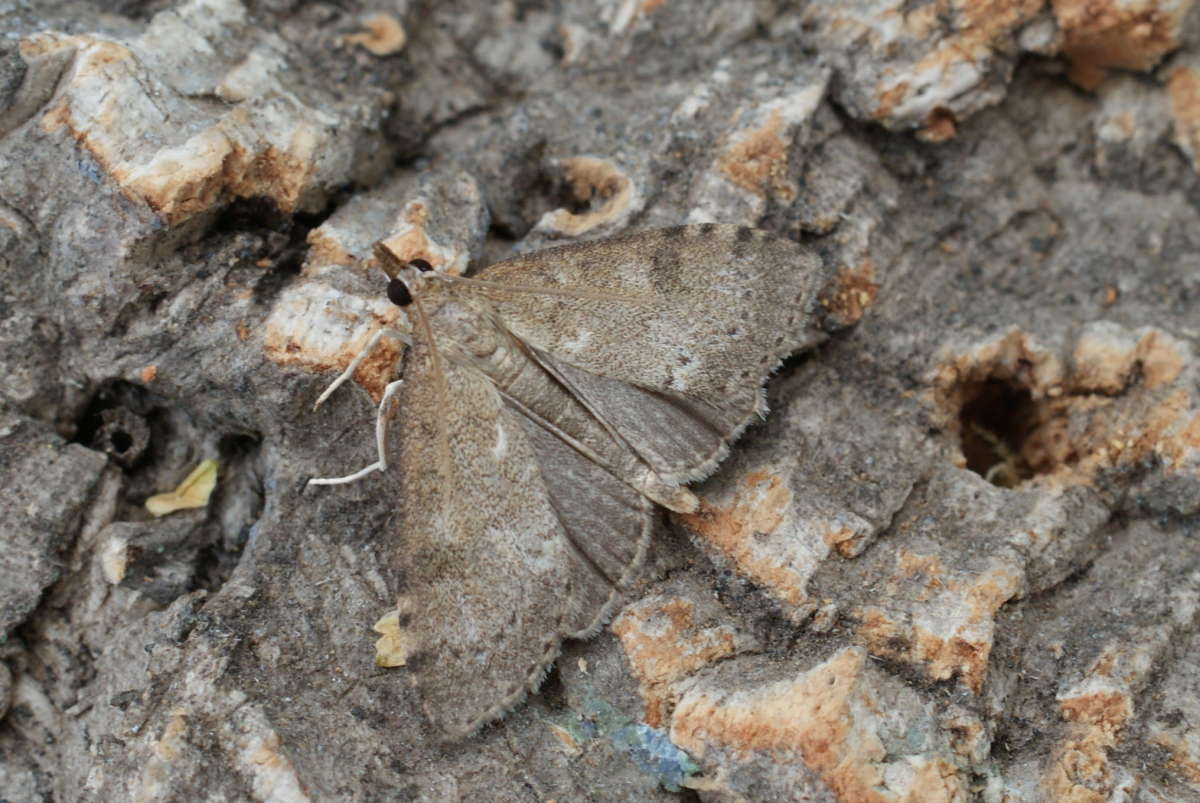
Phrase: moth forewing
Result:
[445,465]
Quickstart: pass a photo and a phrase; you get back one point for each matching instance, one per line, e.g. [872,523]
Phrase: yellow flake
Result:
[192,492]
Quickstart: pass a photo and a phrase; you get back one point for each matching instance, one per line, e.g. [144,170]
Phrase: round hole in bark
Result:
[116,422]
[996,418]
[121,441]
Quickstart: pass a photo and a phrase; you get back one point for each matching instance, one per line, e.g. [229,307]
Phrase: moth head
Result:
[398,291]
[403,277]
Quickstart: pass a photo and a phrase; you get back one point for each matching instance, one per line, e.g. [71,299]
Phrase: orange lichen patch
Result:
[412,242]
[326,249]
[600,183]
[758,160]
[1080,769]
[94,57]
[384,35]
[171,743]
[1157,428]
[1185,439]
[952,633]
[940,658]
[1086,76]
[178,186]
[1079,773]
[377,370]
[947,657]
[34,47]
[886,100]
[316,329]
[415,213]
[279,174]
[1106,709]
[566,741]
[1130,34]
[664,643]
[984,22]
[809,715]
[1183,95]
[148,374]
[650,6]
[881,633]
[852,292]
[1106,364]
[735,532]
[987,593]
[980,24]
[826,718]
[372,374]
[1126,430]
[182,181]
[233,155]
[842,539]
[57,116]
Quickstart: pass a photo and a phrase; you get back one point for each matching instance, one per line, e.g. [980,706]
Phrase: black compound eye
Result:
[398,293]
[420,265]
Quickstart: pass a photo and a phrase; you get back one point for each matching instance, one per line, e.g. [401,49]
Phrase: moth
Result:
[547,404]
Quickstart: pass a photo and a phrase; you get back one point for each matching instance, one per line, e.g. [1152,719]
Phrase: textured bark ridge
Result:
[959,560]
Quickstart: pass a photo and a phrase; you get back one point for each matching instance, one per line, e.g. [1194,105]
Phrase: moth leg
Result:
[372,342]
[380,438]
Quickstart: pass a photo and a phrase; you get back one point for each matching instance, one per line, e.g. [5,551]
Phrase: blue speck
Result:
[90,170]
[652,752]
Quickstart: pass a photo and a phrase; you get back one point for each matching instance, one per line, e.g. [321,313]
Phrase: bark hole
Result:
[996,419]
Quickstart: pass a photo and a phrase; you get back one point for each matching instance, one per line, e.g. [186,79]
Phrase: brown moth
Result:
[547,404]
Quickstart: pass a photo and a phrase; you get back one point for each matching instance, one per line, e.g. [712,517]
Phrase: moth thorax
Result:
[475,336]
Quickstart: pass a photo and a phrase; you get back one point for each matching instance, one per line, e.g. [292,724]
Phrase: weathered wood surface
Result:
[959,561]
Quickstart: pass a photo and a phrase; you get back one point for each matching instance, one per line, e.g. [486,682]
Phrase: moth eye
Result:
[420,265]
[398,293]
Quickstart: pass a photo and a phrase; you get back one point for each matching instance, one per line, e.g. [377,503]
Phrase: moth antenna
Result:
[446,466]
[564,292]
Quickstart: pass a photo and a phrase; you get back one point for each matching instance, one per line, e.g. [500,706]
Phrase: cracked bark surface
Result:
[960,560]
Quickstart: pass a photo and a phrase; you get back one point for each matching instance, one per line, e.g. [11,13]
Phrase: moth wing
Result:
[607,525]
[491,580]
[694,318]
[682,438]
